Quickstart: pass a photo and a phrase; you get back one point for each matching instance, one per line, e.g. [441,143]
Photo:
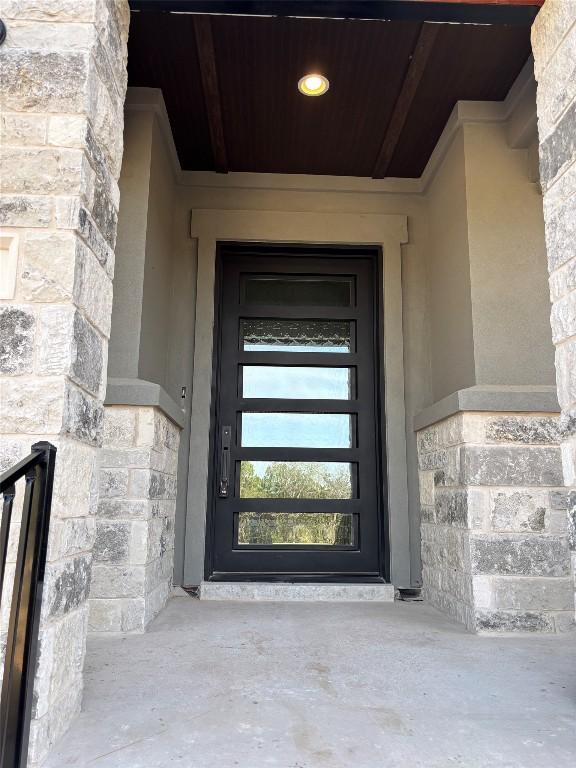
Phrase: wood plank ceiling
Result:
[230,87]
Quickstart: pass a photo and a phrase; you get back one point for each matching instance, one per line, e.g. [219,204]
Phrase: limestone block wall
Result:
[63,85]
[554,46]
[134,540]
[495,550]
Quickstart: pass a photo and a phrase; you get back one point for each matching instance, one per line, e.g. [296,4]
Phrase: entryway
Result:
[297,479]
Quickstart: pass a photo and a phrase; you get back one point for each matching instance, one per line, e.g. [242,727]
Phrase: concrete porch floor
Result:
[335,685]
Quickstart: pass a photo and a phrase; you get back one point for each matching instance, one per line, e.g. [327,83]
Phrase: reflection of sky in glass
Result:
[296,382]
[296,430]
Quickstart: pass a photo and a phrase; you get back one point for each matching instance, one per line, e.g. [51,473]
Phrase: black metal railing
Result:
[22,637]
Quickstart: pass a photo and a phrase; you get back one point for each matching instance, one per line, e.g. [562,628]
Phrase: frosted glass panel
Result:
[261,335]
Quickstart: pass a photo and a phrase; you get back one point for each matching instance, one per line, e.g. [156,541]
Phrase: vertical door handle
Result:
[224,483]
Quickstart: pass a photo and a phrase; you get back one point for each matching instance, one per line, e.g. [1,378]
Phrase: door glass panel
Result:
[295,528]
[290,291]
[297,430]
[297,382]
[295,480]
[296,335]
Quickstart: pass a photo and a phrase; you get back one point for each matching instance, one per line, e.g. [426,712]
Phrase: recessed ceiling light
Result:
[313,85]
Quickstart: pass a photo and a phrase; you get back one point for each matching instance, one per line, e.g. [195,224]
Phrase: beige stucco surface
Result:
[134,186]
[508,270]
[486,267]
[448,277]
[155,335]
[153,309]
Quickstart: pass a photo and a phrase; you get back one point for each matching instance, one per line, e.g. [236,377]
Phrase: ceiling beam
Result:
[520,12]
[416,68]
[209,75]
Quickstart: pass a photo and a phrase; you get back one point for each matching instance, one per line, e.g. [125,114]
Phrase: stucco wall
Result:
[152,304]
[510,303]
[180,362]
[489,307]
[448,268]
[155,334]
[134,186]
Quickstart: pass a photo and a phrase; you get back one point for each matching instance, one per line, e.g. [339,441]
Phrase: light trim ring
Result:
[313,85]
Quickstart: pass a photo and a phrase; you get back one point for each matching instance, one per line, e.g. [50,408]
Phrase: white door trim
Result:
[389,232]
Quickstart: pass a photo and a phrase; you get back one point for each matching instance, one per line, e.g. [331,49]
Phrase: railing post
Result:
[22,640]
[9,494]
[49,451]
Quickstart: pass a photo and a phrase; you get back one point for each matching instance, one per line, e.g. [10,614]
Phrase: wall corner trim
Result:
[513,399]
[152,100]
[517,113]
[520,109]
[145,393]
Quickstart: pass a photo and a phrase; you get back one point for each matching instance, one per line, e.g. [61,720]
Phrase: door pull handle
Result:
[224,484]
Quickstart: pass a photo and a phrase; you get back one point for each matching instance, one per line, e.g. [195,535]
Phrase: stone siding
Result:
[494,531]
[554,47]
[134,543]
[63,85]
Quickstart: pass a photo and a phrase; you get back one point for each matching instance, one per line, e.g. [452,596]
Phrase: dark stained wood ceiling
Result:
[230,87]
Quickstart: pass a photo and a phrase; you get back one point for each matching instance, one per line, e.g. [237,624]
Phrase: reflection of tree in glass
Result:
[250,483]
[296,480]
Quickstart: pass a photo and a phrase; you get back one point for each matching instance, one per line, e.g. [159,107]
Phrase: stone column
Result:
[63,86]
[134,548]
[554,46]
[494,535]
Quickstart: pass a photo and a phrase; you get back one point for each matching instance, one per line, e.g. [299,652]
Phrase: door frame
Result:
[283,251]
[387,232]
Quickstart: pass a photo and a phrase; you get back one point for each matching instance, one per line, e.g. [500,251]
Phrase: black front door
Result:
[295,478]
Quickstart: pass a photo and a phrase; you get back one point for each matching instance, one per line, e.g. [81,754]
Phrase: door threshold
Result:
[254,591]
